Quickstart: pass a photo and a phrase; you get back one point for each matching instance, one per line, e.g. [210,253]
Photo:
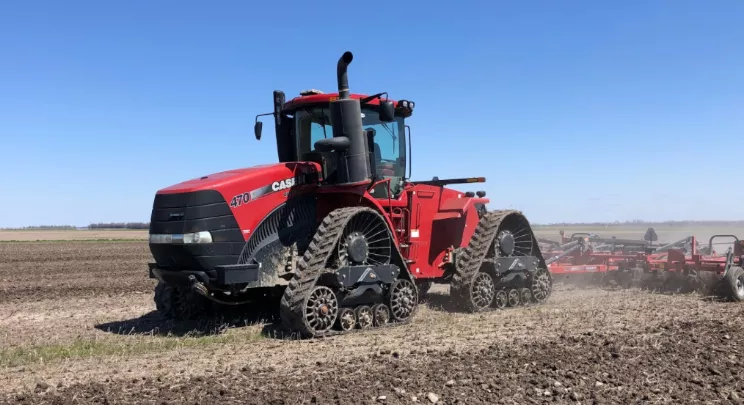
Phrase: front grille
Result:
[197,211]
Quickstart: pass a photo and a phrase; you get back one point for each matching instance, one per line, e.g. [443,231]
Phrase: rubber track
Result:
[471,258]
[311,267]
[180,304]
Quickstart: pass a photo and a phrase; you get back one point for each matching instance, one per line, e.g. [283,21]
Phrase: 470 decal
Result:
[240,199]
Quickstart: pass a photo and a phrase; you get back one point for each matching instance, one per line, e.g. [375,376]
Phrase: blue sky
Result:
[573,110]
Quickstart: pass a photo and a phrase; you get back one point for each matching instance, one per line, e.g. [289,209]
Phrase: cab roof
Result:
[311,97]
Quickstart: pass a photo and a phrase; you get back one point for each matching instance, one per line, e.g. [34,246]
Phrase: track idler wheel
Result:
[542,286]
[482,292]
[500,299]
[735,284]
[320,310]
[381,314]
[403,300]
[346,319]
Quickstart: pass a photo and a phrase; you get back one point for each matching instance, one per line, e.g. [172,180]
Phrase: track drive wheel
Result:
[735,283]
[403,300]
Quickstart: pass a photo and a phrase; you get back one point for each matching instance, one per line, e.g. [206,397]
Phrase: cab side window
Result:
[310,129]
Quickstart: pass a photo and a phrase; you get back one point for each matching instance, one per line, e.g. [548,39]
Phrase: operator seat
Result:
[378,156]
[381,190]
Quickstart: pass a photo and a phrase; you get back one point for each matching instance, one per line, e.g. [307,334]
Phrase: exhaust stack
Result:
[341,77]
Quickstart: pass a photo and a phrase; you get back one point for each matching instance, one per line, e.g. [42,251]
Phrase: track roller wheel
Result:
[346,319]
[500,300]
[513,297]
[525,296]
[735,283]
[364,316]
[320,310]
[403,300]
[381,314]
[542,286]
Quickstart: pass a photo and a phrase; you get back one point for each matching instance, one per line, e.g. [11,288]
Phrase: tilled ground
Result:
[76,326]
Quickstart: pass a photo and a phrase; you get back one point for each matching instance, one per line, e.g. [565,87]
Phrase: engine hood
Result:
[245,178]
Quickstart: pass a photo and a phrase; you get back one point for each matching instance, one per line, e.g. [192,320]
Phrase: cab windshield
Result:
[314,124]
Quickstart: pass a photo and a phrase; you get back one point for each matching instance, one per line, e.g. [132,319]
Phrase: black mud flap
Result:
[237,273]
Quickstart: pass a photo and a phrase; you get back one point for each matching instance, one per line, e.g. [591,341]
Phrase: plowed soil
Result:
[77,326]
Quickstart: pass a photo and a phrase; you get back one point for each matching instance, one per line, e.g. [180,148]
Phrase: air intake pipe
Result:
[348,139]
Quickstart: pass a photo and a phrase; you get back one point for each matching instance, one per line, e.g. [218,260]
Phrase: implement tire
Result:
[735,284]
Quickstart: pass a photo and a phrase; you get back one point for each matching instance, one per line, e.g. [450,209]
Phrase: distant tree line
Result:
[44,228]
[120,225]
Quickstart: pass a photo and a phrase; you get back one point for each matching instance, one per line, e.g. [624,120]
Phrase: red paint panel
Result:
[248,181]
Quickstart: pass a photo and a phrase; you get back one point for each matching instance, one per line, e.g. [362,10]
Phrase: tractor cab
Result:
[305,130]
[385,132]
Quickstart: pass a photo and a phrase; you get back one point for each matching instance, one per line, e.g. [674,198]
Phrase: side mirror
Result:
[386,111]
[257,129]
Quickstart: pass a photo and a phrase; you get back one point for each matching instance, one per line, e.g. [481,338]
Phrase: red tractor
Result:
[336,230]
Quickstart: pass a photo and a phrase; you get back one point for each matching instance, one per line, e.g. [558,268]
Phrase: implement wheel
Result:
[735,283]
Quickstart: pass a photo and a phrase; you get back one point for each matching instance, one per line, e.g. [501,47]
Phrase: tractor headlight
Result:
[186,238]
[197,237]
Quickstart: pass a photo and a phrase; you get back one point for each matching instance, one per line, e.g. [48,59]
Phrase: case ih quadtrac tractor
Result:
[336,228]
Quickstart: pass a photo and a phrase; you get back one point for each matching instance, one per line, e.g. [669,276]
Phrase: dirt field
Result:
[76,326]
[82,235]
